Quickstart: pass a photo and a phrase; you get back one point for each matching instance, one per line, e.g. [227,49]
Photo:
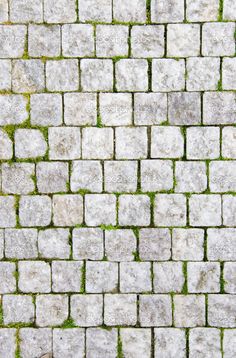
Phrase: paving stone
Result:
[219,108]
[205,210]
[5,75]
[26,11]
[68,342]
[168,277]
[189,310]
[229,341]
[183,40]
[155,244]
[7,277]
[229,142]
[134,210]
[131,75]
[62,75]
[27,76]
[13,41]
[150,108]
[190,177]
[8,342]
[168,75]
[170,210]
[77,40]
[54,243]
[7,211]
[228,74]
[52,177]
[35,342]
[221,244]
[18,309]
[6,149]
[17,178]
[91,10]
[125,11]
[94,216]
[88,244]
[51,310]
[66,276]
[222,176]
[120,309]
[87,310]
[170,342]
[34,276]
[131,143]
[115,109]
[64,143]
[156,175]
[101,277]
[35,210]
[1,243]
[80,109]
[96,75]
[67,210]
[229,206]
[203,143]
[120,245]
[111,40]
[44,41]
[97,143]
[86,175]
[202,10]
[184,108]
[218,39]
[203,74]
[229,11]
[46,109]
[203,277]
[120,176]
[136,341]
[204,342]
[29,143]
[155,310]
[59,11]
[4,11]
[13,109]
[147,41]
[229,277]
[101,343]
[221,310]
[187,244]
[167,142]
[21,243]
[135,277]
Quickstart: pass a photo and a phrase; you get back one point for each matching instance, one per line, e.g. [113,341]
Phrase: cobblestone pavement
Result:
[118,179]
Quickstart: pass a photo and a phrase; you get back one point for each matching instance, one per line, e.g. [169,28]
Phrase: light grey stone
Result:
[147,41]
[156,175]
[135,342]
[190,177]
[203,143]
[223,176]
[187,244]
[4,11]
[77,40]
[34,276]
[62,75]
[13,109]
[120,176]
[203,277]
[229,210]
[131,143]
[126,11]
[218,39]
[100,209]
[21,243]
[7,277]
[35,210]
[219,108]
[101,277]
[166,142]
[170,210]
[29,143]
[13,41]
[26,11]
[6,148]
[61,11]
[28,76]
[51,310]
[184,108]
[230,277]
[8,342]
[68,343]
[170,343]
[96,75]
[111,40]
[229,142]
[88,244]
[229,343]
[131,75]
[120,245]
[97,143]
[205,210]
[228,74]
[221,310]
[150,108]
[229,13]
[189,310]
[64,143]
[46,109]
[67,210]
[17,178]
[91,10]
[54,243]
[203,74]
[155,244]
[1,243]
[134,210]
[86,175]
[115,109]
[202,10]
[168,75]
[66,276]
[135,277]
[80,109]
[52,177]
[35,342]
[167,11]
[183,40]
[155,310]
[7,211]
[101,343]
[44,41]
[221,244]
[168,277]
[120,309]
[87,310]
[205,343]
[5,75]
[18,309]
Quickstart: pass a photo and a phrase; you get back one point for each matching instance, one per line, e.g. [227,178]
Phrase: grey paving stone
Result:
[29,143]
[136,341]
[54,243]
[34,276]
[46,109]
[21,243]
[77,40]
[88,244]
[18,309]
[28,76]
[35,210]
[66,276]
[167,11]
[170,342]
[8,342]
[5,75]
[120,309]
[87,310]
[13,109]
[155,310]
[67,210]
[51,310]
[35,342]
[68,342]
[44,41]
[101,343]
[13,41]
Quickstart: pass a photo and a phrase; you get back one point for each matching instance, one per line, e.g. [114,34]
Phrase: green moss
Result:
[99,122]
[108,227]
[148,7]
[219,85]
[220,13]
[68,323]
[1,314]
[83,191]
[83,278]
[136,256]
[119,347]
[222,281]
[185,273]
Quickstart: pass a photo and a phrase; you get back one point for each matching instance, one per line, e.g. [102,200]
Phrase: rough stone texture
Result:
[117,178]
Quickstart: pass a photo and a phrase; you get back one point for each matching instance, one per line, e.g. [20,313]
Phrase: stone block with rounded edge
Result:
[126,11]
[205,342]
[135,342]
[13,40]
[115,109]
[166,142]
[68,342]
[219,108]
[168,277]
[21,243]
[46,109]
[13,109]
[44,41]
[91,10]
[134,210]
[64,143]
[203,143]
[111,40]
[67,210]
[101,277]
[96,75]
[131,75]
[52,177]
[34,277]
[66,276]
[87,244]
[168,75]
[51,310]
[223,176]
[203,73]
[4,12]
[229,210]
[218,39]
[18,309]
[120,176]
[221,244]
[150,108]
[170,210]
[77,40]
[100,209]
[202,10]
[229,343]
[147,41]
[229,277]
[229,74]
[26,11]
[183,40]
[229,142]
[62,75]
[6,149]
[7,277]
[184,108]
[131,143]
[35,342]
[97,143]
[155,244]
[28,76]
[170,342]
[135,277]
[7,211]
[8,342]
[156,175]
[167,11]
[229,13]
[155,310]
[87,310]
[120,245]
[203,277]
[17,178]
[5,75]
[101,343]
[190,177]
[80,109]
[86,175]
[54,243]
[59,11]
[29,143]
[222,311]
[188,244]
[189,310]
[120,309]
[205,210]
